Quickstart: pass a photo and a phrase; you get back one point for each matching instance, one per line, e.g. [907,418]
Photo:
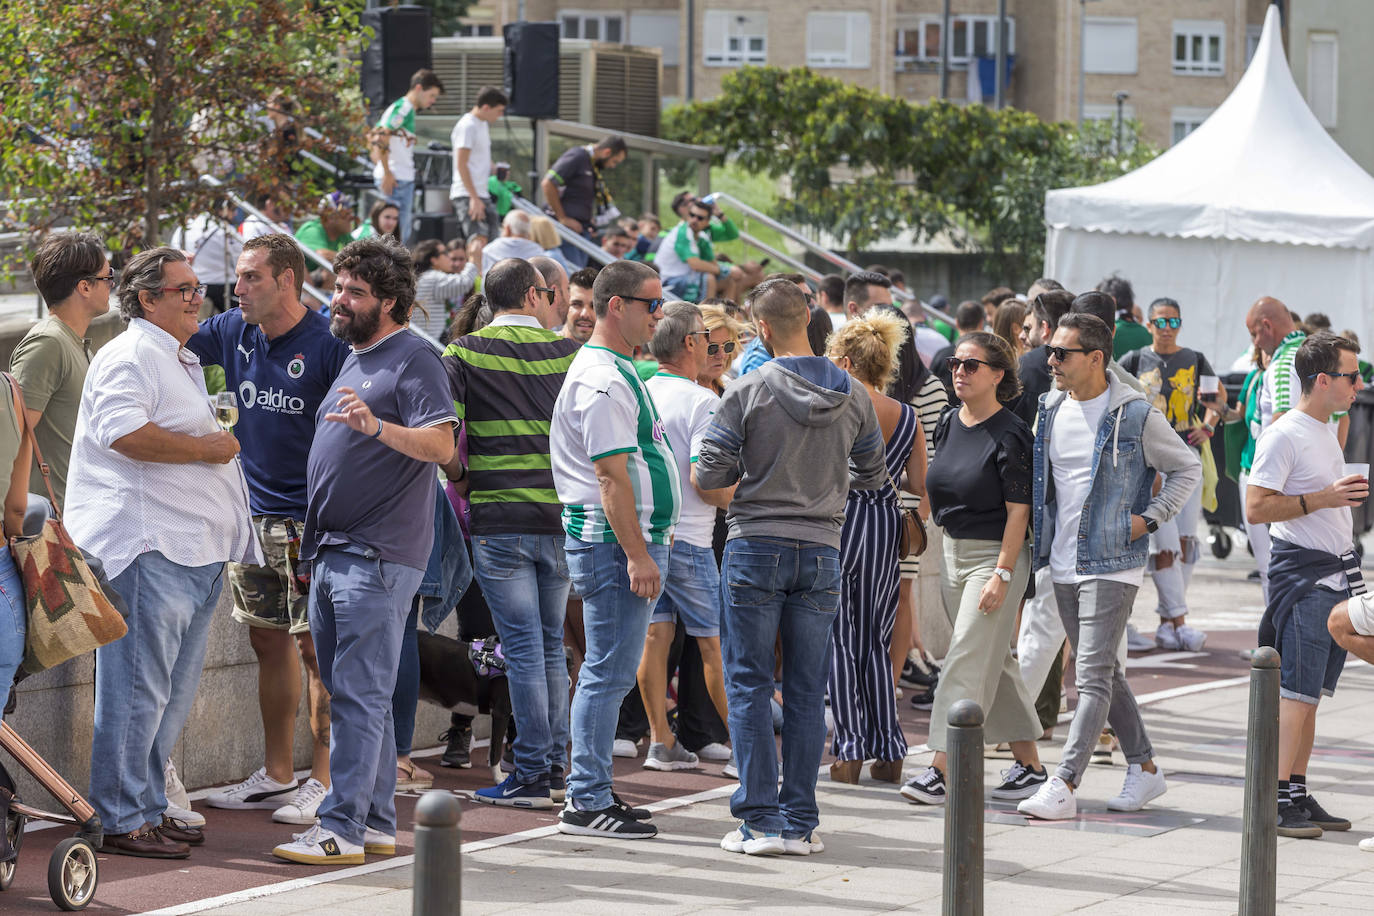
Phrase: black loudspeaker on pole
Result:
[532,69]
[400,45]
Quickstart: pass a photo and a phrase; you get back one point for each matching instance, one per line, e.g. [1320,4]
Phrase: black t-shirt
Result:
[978,470]
[1172,382]
[1034,372]
[572,172]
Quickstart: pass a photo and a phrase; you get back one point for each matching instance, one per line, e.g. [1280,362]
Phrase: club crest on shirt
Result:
[659,430]
[296,368]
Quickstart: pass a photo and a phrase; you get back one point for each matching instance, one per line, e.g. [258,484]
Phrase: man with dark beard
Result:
[369,476]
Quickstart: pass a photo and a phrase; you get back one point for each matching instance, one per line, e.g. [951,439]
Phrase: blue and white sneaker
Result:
[512,793]
[744,839]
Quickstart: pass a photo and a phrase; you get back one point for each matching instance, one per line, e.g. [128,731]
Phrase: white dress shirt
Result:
[119,508]
[214,246]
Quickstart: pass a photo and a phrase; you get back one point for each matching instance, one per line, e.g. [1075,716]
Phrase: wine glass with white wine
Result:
[226,410]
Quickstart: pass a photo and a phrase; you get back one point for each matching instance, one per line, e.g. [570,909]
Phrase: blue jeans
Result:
[14,623]
[771,586]
[1310,661]
[403,196]
[358,608]
[407,690]
[691,590]
[615,621]
[145,684]
[525,581]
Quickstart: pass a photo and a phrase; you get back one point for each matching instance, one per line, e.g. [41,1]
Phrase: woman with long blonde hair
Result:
[861,689]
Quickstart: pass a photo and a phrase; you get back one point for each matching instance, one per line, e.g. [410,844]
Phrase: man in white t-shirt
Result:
[471,142]
[1299,486]
[691,583]
[392,142]
[1098,444]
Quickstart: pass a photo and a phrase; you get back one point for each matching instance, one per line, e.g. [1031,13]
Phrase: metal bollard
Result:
[963,877]
[1259,834]
[438,842]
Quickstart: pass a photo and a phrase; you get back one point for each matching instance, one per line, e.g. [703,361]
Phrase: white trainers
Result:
[1190,639]
[1136,641]
[624,747]
[305,806]
[189,817]
[715,752]
[744,840]
[1139,789]
[258,791]
[808,845]
[1367,844]
[1166,637]
[176,792]
[1054,802]
[318,846]
[376,843]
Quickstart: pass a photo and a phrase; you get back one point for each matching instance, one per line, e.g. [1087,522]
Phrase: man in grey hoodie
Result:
[795,434]
[1098,444]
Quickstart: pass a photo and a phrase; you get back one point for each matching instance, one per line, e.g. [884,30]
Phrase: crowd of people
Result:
[678,510]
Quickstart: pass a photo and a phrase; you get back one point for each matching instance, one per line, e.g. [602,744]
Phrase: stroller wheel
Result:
[72,874]
[1220,543]
[14,828]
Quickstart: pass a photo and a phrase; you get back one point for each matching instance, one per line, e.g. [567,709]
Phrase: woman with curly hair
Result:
[861,688]
[980,493]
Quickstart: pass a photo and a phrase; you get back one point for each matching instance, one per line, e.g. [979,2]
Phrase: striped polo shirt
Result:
[605,409]
[505,379]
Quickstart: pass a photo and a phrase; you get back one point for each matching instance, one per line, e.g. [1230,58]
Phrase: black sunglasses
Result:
[1353,376]
[653,304]
[1060,353]
[550,294]
[970,365]
[1163,323]
[108,278]
[713,349]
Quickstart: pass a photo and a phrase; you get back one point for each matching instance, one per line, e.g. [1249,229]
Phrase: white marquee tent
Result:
[1259,200]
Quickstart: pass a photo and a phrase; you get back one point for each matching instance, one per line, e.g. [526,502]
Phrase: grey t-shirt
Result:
[367,494]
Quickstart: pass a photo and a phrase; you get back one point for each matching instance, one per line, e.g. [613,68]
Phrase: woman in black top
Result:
[979,488]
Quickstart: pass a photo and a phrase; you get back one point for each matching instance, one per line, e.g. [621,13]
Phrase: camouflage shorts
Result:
[262,594]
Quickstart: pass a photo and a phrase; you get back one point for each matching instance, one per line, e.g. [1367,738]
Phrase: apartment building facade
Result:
[1175,59]
[1331,50]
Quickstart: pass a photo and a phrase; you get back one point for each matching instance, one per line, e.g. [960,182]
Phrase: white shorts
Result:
[1361,611]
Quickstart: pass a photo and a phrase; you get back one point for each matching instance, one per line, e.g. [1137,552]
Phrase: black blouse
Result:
[977,471]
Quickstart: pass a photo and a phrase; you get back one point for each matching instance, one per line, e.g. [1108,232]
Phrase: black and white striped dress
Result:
[861,696]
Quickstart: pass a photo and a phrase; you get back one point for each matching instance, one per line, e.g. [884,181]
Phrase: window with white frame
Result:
[969,37]
[1199,47]
[1109,45]
[918,40]
[1323,65]
[1186,120]
[731,38]
[593,26]
[835,39]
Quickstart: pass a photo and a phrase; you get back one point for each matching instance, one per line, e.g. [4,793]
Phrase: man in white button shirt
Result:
[155,493]
[213,246]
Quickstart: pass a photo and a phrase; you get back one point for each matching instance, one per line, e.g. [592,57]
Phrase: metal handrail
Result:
[809,272]
[593,251]
[310,254]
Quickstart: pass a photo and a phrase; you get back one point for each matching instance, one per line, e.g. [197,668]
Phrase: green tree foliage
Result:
[445,15]
[110,110]
[862,165]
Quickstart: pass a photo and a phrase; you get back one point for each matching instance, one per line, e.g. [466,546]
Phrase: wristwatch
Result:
[1003,573]
[1151,526]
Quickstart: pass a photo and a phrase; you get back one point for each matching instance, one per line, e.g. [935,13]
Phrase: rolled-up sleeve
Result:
[122,401]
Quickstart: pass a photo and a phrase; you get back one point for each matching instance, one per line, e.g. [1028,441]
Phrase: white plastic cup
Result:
[1360,469]
[1208,386]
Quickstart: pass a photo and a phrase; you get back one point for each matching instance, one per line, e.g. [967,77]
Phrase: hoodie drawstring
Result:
[1116,433]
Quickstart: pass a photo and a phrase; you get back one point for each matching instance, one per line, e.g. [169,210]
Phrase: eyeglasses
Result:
[1353,376]
[1058,354]
[108,278]
[188,293]
[550,294]
[699,216]
[969,365]
[1162,323]
[713,349]
[653,304]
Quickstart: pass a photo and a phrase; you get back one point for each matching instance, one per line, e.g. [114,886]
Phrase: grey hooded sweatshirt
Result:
[796,433]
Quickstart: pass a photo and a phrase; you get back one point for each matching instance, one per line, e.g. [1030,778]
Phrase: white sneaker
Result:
[744,840]
[1367,844]
[1138,789]
[1190,639]
[1054,802]
[257,791]
[189,817]
[1166,637]
[318,846]
[715,752]
[730,770]
[624,747]
[176,792]
[808,845]
[376,843]
[305,806]
[1137,641]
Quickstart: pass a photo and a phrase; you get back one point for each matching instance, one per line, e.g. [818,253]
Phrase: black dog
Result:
[448,679]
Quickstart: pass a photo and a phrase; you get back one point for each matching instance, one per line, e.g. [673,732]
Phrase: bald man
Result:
[556,278]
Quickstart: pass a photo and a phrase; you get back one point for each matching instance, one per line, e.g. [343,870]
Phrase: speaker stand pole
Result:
[541,158]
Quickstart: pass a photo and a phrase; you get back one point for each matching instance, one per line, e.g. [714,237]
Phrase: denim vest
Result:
[1119,487]
[448,573]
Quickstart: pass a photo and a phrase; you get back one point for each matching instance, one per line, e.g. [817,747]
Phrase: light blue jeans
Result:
[772,586]
[524,578]
[145,684]
[14,623]
[358,608]
[615,621]
[403,196]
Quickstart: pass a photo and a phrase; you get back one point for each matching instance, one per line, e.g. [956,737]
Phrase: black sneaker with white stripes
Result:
[614,821]
[1019,782]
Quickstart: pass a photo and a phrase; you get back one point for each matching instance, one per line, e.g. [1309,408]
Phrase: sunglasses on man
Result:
[1059,354]
[653,304]
[1162,323]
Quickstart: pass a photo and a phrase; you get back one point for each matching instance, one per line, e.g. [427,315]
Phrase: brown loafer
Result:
[146,843]
[181,832]
[846,771]
[887,771]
